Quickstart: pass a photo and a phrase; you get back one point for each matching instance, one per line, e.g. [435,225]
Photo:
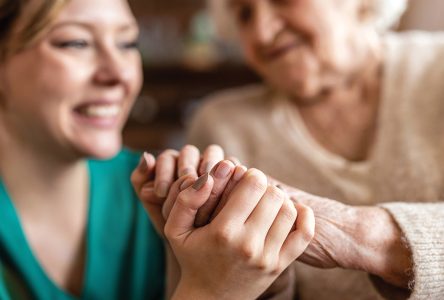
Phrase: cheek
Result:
[136,80]
[47,78]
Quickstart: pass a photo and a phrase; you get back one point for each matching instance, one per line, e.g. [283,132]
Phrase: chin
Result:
[302,89]
[101,149]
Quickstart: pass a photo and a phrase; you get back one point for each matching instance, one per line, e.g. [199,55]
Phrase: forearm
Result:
[380,248]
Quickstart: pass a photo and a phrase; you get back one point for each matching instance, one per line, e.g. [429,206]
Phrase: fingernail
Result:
[187,183]
[200,182]
[143,165]
[162,189]
[222,170]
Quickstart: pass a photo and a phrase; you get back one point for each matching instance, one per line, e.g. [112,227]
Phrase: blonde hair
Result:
[385,14]
[12,40]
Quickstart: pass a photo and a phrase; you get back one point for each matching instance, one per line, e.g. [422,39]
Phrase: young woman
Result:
[71,224]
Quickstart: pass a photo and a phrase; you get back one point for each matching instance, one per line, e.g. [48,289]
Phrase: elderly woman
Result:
[351,114]
[72,226]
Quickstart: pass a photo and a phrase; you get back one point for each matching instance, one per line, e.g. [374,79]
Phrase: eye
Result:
[244,14]
[129,45]
[280,2]
[75,44]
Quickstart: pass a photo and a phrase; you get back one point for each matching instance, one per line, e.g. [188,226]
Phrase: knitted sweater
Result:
[404,173]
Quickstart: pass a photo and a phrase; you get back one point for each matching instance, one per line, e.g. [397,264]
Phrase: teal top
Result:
[124,255]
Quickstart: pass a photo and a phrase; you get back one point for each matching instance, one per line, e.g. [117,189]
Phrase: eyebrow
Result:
[123,27]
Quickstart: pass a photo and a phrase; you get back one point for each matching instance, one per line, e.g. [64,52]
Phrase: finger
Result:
[221,174]
[165,171]
[211,156]
[234,160]
[178,186]
[244,198]
[143,172]
[153,206]
[281,227]
[188,163]
[264,215]
[181,220]
[298,240]
[238,173]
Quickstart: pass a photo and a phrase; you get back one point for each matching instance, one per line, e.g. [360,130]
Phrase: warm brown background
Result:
[180,68]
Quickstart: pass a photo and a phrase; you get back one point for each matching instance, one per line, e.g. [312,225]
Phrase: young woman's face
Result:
[300,46]
[71,92]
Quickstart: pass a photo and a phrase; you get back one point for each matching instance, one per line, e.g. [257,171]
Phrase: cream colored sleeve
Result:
[203,129]
[423,228]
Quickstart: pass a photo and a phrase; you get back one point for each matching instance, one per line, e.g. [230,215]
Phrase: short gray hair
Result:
[386,14]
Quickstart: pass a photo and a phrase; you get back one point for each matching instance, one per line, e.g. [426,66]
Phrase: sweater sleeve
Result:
[423,227]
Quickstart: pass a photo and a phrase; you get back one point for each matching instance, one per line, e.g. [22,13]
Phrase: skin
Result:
[250,215]
[303,49]
[183,168]
[85,73]
[85,56]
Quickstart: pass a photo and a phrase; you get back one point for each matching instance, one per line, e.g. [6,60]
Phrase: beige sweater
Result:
[404,174]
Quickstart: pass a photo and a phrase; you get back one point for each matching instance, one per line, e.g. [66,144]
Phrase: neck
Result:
[37,180]
[343,119]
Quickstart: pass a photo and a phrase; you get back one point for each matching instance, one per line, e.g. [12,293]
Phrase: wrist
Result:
[185,291]
[380,246]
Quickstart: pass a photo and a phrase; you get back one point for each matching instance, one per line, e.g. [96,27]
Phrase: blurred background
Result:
[184,61]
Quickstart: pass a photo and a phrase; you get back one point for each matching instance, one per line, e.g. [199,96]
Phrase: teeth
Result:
[102,111]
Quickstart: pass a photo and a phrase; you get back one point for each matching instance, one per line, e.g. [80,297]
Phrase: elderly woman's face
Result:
[302,47]
[72,90]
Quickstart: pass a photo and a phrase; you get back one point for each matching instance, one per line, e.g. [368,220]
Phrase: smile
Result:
[101,111]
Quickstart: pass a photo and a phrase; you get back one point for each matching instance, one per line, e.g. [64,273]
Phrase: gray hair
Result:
[387,13]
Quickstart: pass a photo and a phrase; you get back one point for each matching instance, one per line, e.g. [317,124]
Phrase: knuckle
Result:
[268,264]
[224,235]
[307,235]
[247,251]
[257,179]
[276,194]
[289,211]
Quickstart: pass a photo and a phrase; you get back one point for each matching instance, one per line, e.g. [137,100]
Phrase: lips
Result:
[282,47]
[99,110]
[102,114]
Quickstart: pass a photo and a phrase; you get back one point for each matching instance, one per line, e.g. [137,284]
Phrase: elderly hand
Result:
[352,237]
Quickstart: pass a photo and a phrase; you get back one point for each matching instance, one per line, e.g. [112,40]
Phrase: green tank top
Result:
[124,255]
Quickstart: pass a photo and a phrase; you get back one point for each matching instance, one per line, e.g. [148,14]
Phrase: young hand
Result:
[245,247]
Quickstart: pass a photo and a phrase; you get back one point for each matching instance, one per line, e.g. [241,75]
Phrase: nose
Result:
[267,23]
[111,68]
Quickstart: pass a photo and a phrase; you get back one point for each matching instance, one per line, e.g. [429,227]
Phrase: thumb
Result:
[180,222]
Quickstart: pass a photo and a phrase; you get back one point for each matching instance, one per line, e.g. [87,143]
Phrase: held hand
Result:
[246,246]
[355,237]
[152,180]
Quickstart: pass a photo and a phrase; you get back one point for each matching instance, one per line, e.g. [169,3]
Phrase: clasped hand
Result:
[232,233]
